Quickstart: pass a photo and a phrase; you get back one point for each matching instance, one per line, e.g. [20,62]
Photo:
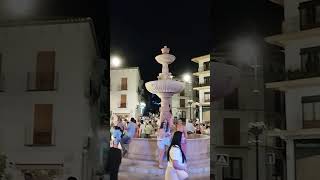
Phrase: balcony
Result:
[42,81]
[2,83]
[39,138]
[294,79]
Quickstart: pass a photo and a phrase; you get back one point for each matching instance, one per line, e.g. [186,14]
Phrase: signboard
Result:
[222,159]
[271,158]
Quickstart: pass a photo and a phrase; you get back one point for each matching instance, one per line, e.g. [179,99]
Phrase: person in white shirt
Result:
[177,161]
[141,130]
[190,128]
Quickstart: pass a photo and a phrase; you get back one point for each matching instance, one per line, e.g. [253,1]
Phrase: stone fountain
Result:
[165,87]
[143,153]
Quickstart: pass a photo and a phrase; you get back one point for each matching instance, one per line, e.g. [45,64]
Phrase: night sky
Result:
[59,9]
[234,20]
[139,29]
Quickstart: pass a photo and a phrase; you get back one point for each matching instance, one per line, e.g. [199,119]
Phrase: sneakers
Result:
[161,166]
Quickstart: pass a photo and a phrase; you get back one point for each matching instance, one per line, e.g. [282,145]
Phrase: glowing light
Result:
[116,61]
[187,78]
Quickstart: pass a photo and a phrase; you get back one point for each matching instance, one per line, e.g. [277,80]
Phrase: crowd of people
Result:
[171,134]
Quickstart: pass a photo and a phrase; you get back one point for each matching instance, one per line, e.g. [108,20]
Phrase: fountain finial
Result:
[165,50]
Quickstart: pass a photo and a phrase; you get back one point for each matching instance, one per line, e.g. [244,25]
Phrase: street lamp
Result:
[142,106]
[116,61]
[256,129]
[190,102]
[187,78]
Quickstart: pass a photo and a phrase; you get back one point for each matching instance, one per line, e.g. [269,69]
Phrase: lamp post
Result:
[190,102]
[256,129]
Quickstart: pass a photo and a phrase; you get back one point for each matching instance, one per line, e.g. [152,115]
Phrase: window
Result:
[206,66]
[42,124]
[232,101]
[207,81]
[309,14]
[45,71]
[207,97]
[123,102]
[234,170]
[182,103]
[182,93]
[231,131]
[310,60]
[124,83]
[311,111]
[183,114]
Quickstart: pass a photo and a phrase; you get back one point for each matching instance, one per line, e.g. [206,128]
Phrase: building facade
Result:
[201,84]
[249,103]
[49,110]
[181,103]
[300,40]
[126,89]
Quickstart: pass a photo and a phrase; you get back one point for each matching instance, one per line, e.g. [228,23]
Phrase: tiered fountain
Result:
[143,153]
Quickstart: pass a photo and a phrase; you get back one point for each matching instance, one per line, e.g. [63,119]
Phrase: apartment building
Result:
[126,89]
[49,98]
[182,104]
[300,39]
[248,103]
[201,84]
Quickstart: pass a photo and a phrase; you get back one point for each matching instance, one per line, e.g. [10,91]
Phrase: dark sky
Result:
[139,29]
[56,9]
[234,20]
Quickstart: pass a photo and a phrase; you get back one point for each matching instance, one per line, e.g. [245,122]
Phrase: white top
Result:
[190,127]
[175,154]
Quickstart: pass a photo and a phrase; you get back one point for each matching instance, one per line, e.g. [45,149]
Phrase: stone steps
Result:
[136,176]
[151,167]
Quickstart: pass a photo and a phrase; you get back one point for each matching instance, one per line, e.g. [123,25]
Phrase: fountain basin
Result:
[165,86]
[198,147]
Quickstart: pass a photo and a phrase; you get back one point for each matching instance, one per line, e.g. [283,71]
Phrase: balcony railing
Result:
[2,83]
[298,74]
[196,84]
[39,138]
[42,81]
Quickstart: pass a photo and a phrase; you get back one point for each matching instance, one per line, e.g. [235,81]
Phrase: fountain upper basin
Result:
[165,86]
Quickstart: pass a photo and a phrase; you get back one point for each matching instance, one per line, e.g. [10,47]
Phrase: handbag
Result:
[182,175]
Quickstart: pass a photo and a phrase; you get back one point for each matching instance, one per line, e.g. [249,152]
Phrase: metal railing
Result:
[42,81]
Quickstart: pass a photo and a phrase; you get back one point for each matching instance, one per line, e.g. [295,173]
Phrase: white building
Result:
[300,39]
[202,86]
[46,120]
[125,92]
[181,103]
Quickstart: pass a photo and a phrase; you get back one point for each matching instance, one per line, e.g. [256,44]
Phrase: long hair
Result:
[176,141]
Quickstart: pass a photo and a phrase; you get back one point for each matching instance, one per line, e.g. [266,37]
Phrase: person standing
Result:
[114,160]
[177,166]
[141,130]
[148,130]
[182,128]
[190,128]
[163,140]
[131,130]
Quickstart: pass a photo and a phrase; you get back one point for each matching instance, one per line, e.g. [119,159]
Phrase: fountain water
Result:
[143,153]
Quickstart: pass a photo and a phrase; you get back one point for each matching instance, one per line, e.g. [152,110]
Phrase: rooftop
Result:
[204,58]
